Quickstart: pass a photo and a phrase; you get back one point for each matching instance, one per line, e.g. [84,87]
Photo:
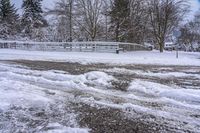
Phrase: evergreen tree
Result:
[119,18]
[9,19]
[32,18]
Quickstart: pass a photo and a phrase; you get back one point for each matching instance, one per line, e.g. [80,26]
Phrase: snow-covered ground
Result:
[140,57]
[39,101]
[26,98]
[166,92]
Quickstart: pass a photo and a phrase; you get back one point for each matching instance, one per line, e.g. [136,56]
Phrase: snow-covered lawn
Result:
[140,57]
[39,101]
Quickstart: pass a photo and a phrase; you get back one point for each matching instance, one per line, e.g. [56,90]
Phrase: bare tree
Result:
[105,12]
[89,12]
[187,37]
[195,24]
[70,19]
[119,15]
[164,16]
[120,20]
[137,30]
[191,32]
[64,12]
[129,20]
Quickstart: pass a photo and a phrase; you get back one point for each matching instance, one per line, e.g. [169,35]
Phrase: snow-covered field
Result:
[34,100]
[141,57]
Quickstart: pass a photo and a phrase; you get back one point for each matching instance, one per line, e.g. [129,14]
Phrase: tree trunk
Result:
[70,19]
[161,45]
[106,26]
[117,32]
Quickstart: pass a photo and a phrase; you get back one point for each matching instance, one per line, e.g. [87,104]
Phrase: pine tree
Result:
[9,19]
[32,18]
[119,18]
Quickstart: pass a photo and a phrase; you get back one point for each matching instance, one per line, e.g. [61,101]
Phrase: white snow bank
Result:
[98,78]
[53,77]
[171,74]
[123,71]
[19,84]
[189,96]
[153,74]
[57,128]
[15,92]
[140,57]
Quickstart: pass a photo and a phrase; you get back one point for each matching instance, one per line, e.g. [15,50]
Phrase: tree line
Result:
[136,21]
[27,25]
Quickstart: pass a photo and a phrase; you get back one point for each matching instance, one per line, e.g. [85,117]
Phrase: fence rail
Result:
[72,46]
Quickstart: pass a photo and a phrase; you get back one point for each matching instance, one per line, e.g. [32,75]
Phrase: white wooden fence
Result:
[72,46]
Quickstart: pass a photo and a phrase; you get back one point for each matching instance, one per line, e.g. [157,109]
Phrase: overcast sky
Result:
[195,5]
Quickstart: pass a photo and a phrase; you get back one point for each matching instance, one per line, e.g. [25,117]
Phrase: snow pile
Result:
[22,81]
[14,92]
[188,96]
[98,78]
[94,77]
[57,128]
[123,71]
[140,57]
[171,74]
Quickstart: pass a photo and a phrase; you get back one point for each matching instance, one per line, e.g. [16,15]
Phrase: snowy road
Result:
[33,99]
